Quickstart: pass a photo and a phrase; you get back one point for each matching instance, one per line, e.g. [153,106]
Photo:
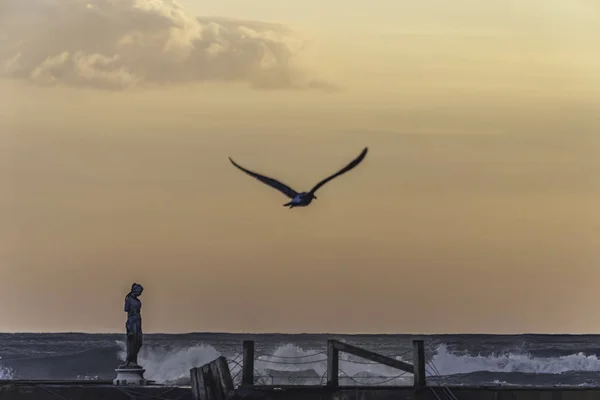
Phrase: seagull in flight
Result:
[301,199]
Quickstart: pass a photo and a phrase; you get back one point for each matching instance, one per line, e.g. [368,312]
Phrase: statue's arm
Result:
[127,305]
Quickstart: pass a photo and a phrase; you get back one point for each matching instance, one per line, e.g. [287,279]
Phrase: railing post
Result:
[419,364]
[333,364]
[248,363]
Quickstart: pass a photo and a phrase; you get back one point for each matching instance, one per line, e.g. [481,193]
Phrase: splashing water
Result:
[449,364]
[165,365]
[6,373]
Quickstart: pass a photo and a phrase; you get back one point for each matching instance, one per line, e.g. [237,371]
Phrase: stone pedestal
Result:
[130,376]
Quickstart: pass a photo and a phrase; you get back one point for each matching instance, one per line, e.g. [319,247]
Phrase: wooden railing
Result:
[417,368]
[334,347]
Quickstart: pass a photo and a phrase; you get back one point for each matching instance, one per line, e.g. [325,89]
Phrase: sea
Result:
[519,360]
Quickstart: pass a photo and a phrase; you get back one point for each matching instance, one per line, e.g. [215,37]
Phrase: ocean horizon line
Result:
[268,333]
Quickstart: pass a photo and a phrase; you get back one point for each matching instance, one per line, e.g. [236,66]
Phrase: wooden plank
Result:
[333,364]
[194,384]
[212,381]
[209,383]
[197,383]
[248,363]
[224,375]
[216,385]
[419,364]
[372,356]
[201,385]
[216,381]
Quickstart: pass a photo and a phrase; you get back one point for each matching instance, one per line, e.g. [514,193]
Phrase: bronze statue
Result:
[133,326]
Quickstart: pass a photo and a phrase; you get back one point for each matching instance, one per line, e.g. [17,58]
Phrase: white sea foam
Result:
[171,365]
[448,363]
[6,373]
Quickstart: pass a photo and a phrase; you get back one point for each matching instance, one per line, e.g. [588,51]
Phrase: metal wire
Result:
[315,361]
[292,363]
[389,379]
[292,357]
[260,377]
[445,389]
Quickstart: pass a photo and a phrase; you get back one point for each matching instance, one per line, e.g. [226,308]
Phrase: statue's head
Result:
[137,289]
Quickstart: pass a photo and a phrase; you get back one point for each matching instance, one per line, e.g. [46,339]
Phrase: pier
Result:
[214,381]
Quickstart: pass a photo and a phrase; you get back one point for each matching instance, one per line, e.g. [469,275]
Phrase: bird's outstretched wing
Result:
[347,168]
[289,192]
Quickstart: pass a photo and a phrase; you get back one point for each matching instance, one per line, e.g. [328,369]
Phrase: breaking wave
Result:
[449,363]
[164,364]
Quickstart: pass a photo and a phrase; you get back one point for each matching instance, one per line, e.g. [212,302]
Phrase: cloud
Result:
[118,44]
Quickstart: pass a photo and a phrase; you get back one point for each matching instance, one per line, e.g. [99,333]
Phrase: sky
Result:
[475,210]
